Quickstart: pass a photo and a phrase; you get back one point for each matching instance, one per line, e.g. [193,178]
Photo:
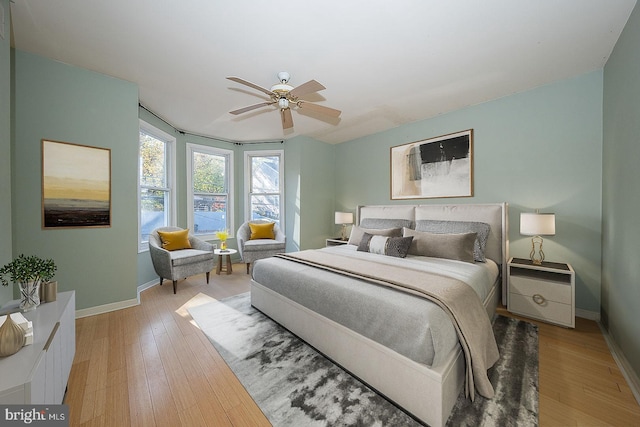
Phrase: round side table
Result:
[224,254]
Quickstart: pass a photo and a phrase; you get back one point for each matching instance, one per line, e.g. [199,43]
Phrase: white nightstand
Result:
[335,242]
[545,292]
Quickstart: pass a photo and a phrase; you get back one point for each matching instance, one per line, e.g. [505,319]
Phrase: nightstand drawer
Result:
[551,291]
[547,310]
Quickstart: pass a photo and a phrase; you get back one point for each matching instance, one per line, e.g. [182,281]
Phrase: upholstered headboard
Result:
[494,214]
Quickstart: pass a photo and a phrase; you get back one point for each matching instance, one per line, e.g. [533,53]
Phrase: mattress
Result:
[407,324]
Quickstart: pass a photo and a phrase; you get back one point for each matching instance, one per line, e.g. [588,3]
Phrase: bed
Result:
[401,345]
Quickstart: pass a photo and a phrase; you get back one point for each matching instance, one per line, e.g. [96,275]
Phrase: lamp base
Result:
[343,232]
[536,258]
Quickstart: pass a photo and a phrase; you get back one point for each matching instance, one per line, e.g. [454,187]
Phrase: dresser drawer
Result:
[550,311]
[551,291]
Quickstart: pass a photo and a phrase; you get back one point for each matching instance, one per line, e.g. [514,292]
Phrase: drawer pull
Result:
[538,299]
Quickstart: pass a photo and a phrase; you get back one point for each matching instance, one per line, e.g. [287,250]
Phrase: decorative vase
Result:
[51,291]
[29,295]
[223,245]
[11,337]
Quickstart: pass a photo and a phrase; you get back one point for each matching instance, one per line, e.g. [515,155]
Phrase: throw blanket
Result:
[454,296]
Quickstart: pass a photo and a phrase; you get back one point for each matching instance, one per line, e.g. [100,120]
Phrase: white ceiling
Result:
[384,63]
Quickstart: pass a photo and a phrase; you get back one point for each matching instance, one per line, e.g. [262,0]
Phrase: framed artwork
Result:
[76,185]
[434,167]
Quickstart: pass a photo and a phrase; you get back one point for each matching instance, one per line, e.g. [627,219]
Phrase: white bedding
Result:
[481,276]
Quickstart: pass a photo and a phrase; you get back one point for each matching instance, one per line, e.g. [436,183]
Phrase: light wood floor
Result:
[150,365]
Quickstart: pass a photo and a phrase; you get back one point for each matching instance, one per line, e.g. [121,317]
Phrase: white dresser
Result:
[38,373]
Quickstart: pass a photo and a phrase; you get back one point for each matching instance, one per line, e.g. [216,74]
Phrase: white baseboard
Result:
[586,314]
[627,371]
[106,308]
[146,286]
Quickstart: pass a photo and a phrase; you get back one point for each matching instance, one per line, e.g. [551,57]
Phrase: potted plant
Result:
[29,272]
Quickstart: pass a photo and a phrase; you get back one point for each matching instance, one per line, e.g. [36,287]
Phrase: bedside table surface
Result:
[546,264]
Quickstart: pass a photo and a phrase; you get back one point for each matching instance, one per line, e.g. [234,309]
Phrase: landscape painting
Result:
[76,185]
[435,167]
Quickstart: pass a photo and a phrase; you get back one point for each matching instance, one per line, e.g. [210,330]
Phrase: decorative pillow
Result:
[174,240]
[451,246]
[358,232]
[385,223]
[262,231]
[383,245]
[448,227]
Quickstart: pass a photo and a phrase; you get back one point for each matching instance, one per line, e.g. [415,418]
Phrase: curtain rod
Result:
[228,141]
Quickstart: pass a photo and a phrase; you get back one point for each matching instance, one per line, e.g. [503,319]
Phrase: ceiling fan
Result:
[287,96]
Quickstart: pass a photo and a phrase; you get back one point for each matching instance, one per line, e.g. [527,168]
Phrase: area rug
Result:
[294,385]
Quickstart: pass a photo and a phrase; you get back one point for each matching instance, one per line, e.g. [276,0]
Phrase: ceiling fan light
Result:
[283,103]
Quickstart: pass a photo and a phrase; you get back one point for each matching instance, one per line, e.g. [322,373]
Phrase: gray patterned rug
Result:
[294,385]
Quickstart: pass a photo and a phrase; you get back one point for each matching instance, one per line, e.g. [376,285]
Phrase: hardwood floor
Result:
[150,365]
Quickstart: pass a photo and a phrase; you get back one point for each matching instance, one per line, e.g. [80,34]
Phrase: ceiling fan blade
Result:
[287,120]
[244,82]
[251,107]
[308,87]
[319,108]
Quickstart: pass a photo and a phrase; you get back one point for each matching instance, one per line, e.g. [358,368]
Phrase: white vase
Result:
[29,295]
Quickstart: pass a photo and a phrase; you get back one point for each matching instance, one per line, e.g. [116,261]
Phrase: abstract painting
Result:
[434,167]
[76,185]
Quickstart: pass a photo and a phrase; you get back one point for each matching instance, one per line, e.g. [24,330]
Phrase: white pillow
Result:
[358,232]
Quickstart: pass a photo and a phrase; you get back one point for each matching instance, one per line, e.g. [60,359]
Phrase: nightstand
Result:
[545,292]
[335,242]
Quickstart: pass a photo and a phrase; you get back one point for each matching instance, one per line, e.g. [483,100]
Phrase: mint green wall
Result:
[536,149]
[621,194]
[309,186]
[6,293]
[64,103]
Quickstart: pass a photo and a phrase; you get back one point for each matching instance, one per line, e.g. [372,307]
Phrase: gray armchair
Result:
[179,264]
[253,250]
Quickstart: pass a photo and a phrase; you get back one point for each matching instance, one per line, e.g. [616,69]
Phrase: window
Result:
[210,182]
[264,183]
[156,182]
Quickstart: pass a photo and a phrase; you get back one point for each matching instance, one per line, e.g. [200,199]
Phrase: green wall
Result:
[63,103]
[621,194]
[6,293]
[539,149]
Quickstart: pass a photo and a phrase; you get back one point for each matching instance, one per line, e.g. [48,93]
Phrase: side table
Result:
[545,292]
[226,253]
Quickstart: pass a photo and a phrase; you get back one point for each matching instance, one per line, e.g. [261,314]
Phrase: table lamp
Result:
[344,218]
[537,225]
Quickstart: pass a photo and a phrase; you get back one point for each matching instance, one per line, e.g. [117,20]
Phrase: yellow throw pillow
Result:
[174,240]
[262,231]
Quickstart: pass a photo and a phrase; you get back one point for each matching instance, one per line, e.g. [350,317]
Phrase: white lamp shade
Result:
[344,218]
[537,224]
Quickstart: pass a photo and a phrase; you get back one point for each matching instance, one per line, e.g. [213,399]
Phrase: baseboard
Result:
[627,371]
[106,308]
[146,286]
[586,314]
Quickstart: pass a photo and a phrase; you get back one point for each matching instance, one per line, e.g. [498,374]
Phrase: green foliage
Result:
[28,269]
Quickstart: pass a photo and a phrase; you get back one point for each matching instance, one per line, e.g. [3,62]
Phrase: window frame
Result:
[248,174]
[192,148]
[170,178]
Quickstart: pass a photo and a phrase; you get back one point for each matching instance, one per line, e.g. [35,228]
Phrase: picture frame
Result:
[76,185]
[432,168]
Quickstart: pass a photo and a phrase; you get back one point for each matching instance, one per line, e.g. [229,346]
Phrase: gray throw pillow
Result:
[457,246]
[358,232]
[482,230]
[392,246]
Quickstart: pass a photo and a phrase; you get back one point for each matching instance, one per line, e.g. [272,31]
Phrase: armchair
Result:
[182,263]
[253,250]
